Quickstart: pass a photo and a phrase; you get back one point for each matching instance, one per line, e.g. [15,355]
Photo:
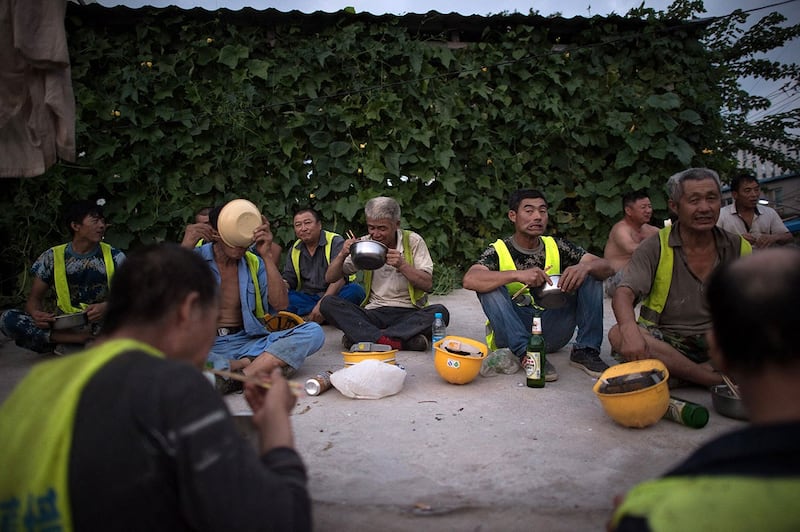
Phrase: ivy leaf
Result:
[443,157]
[687,115]
[231,54]
[320,139]
[259,68]
[392,162]
[665,101]
[682,150]
[339,148]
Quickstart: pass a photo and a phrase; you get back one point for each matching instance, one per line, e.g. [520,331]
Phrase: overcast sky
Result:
[566,8]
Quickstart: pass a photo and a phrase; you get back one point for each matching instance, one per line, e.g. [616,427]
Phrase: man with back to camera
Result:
[129,434]
[759,224]
[528,257]
[668,273]
[307,263]
[79,273]
[395,311]
[750,477]
[626,235]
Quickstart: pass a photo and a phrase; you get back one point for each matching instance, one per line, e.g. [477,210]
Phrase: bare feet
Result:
[265,362]
[239,364]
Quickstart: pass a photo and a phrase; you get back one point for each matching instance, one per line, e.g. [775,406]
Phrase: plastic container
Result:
[438,329]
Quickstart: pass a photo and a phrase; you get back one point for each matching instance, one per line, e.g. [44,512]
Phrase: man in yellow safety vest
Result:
[306,264]
[748,479]
[668,273]
[527,259]
[79,272]
[395,311]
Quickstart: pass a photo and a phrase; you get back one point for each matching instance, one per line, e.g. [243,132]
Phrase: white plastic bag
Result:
[369,379]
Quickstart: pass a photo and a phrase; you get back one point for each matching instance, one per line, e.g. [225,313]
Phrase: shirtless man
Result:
[627,234]
[250,287]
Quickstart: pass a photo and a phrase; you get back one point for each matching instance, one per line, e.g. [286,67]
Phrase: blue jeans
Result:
[512,323]
[292,346]
[20,327]
[301,303]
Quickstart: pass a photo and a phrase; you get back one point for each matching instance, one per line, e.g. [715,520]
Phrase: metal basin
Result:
[70,321]
[550,295]
[368,254]
[726,404]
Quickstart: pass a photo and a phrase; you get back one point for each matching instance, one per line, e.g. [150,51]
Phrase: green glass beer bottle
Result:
[686,413]
[535,356]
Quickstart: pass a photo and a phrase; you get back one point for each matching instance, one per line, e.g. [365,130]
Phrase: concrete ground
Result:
[485,456]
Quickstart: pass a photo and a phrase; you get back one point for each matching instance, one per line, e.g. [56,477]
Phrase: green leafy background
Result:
[178,111]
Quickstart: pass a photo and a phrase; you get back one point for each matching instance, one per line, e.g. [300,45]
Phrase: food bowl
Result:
[550,295]
[639,408]
[354,357]
[454,367]
[368,254]
[726,404]
[237,221]
[70,321]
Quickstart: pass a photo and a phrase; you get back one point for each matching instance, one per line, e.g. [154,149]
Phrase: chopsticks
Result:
[350,234]
[296,387]
[731,386]
[525,287]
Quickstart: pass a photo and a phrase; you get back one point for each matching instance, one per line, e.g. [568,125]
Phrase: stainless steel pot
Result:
[70,321]
[726,404]
[550,295]
[368,254]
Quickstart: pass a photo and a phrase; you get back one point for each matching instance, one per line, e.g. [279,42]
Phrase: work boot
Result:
[587,359]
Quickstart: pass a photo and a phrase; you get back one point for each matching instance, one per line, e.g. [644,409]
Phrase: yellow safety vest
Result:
[552,265]
[653,304]
[552,261]
[36,448]
[253,261]
[724,502]
[296,257]
[63,299]
[418,297]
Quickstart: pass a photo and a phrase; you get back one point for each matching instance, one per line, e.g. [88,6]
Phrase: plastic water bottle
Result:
[438,329]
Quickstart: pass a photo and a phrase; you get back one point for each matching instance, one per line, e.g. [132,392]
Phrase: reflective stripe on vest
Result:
[552,265]
[418,297]
[296,257]
[35,461]
[552,261]
[653,304]
[704,502]
[252,264]
[63,299]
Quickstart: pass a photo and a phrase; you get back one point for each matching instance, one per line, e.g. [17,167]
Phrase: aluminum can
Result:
[319,384]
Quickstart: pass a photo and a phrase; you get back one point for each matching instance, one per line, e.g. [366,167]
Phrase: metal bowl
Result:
[368,254]
[550,295]
[726,404]
[70,321]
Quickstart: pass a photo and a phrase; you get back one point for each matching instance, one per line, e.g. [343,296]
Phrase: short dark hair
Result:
[213,216]
[753,303]
[78,210]
[632,197]
[739,179]
[152,281]
[313,212]
[516,197]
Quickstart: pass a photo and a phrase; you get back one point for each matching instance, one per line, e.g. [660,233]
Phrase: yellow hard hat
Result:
[639,408]
[458,359]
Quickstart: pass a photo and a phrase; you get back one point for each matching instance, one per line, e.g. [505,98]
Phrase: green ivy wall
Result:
[176,112]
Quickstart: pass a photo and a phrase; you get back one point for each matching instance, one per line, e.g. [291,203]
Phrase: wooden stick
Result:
[296,387]
[731,386]
[524,287]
